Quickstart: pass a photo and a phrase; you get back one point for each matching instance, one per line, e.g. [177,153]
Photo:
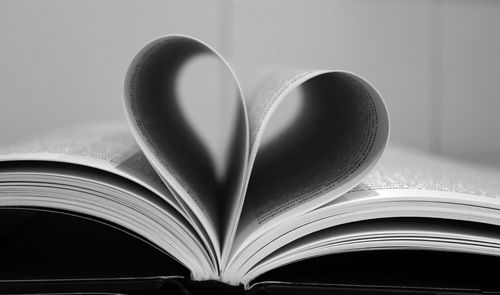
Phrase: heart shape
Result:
[338,136]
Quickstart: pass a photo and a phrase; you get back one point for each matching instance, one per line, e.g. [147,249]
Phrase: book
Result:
[326,184]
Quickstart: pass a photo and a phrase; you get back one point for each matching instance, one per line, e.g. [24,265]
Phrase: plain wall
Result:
[64,62]
[436,63]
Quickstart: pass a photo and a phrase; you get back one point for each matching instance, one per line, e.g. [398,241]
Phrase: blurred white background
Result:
[436,63]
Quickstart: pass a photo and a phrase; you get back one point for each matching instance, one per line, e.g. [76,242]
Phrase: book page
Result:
[106,145]
[402,170]
[338,137]
[405,184]
[402,234]
[172,145]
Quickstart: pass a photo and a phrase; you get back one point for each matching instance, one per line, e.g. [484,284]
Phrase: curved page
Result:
[171,144]
[389,234]
[338,137]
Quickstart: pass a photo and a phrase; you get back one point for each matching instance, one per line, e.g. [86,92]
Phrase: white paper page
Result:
[404,184]
[183,161]
[385,234]
[106,145]
[406,169]
[339,136]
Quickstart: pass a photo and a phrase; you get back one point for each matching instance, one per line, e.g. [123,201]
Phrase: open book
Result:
[313,190]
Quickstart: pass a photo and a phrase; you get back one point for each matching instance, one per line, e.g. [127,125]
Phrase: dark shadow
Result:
[38,244]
